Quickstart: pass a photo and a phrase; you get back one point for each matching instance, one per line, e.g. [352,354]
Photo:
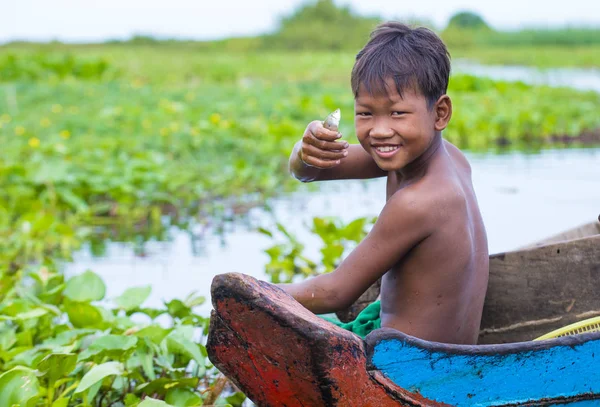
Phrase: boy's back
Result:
[429,244]
[436,291]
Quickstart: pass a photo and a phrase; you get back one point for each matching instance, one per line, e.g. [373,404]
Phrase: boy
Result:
[429,243]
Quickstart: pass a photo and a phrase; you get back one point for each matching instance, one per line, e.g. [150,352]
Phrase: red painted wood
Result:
[281,354]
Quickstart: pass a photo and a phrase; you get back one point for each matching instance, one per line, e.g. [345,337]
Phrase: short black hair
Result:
[413,57]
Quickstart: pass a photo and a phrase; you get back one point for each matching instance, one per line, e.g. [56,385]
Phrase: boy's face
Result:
[395,130]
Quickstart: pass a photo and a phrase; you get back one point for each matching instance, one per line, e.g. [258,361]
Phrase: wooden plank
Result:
[587,230]
[534,291]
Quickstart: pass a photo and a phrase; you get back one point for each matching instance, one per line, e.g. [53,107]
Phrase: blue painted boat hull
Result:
[562,369]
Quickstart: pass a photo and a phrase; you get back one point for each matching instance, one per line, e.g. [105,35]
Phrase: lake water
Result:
[523,198]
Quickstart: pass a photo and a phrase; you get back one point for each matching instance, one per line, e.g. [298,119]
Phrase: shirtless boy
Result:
[429,243]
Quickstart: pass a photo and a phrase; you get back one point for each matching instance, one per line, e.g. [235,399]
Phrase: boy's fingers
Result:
[311,151]
[322,133]
[325,145]
[315,162]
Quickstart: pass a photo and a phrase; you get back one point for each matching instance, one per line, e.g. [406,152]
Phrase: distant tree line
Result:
[323,25]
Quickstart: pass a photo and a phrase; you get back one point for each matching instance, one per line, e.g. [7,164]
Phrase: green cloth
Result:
[368,320]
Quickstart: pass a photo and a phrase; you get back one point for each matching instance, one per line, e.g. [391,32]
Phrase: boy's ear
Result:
[443,112]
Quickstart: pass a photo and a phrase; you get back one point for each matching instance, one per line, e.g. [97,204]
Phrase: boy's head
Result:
[415,58]
[399,81]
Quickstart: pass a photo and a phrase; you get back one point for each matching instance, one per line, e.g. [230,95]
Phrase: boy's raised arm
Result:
[318,157]
[403,223]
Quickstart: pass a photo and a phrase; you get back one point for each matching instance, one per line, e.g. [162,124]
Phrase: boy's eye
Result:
[364,114]
[397,113]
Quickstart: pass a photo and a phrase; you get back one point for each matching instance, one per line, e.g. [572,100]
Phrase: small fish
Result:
[332,121]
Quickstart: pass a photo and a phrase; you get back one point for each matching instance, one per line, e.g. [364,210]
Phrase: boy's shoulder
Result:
[432,197]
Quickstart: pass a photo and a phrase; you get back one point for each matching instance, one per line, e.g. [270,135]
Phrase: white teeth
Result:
[386,149]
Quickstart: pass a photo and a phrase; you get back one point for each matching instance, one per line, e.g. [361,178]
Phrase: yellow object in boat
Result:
[581,327]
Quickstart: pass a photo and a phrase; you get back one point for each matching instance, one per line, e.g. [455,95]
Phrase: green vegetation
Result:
[60,347]
[122,141]
[287,257]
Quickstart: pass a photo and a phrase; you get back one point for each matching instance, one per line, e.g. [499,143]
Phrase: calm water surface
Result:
[523,198]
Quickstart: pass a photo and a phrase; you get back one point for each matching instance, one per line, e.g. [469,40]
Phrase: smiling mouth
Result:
[387,149]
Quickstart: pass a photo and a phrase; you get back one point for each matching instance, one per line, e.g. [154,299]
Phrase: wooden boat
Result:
[280,354]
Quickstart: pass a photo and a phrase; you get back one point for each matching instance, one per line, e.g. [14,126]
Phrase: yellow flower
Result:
[65,134]
[34,142]
[19,130]
[45,122]
[215,118]
[5,118]
[57,108]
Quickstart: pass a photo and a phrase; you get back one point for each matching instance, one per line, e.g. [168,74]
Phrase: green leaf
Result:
[99,373]
[8,338]
[164,384]
[354,231]
[113,346]
[61,402]
[177,309]
[131,399]
[83,315]
[153,332]
[114,342]
[150,402]
[177,344]
[237,399]
[72,199]
[57,365]
[265,232]
[18,386]
[85,287]
[183,398]
[34,313]
[133,297]
[193,300]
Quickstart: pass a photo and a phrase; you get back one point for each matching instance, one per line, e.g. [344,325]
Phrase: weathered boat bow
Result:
[281,354]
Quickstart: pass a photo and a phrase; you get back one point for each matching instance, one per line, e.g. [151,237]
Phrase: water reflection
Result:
[582,79]
[523,198]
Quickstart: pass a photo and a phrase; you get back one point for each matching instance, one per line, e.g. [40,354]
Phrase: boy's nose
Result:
[381,130]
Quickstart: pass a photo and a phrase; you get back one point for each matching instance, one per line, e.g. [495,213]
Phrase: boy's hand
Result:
[319,147]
